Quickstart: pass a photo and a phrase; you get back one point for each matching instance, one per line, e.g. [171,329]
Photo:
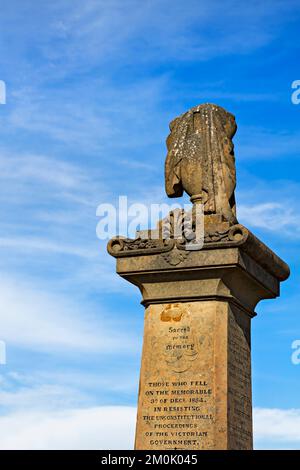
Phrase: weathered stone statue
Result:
[195,383]
[200,159]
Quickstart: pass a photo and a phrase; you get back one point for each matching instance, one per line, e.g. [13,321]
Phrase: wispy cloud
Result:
[176,30]
[38,179]
[47,397]
[41,169]
[36,246]
[277,215]
[77,36]
[271,216]
[63,388]
[93,116]
[48,322]
[258,143]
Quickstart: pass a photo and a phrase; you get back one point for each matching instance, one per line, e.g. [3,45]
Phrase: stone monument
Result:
[195,380]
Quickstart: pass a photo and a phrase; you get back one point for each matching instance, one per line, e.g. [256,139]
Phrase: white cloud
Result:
[277,427]
[39,320]
[92,428]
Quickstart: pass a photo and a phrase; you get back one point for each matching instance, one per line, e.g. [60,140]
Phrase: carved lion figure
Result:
[200,159]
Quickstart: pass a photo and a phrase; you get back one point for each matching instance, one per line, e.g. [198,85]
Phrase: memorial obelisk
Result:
[195,381]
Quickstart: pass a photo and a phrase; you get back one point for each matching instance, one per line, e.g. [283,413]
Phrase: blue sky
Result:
[91,88]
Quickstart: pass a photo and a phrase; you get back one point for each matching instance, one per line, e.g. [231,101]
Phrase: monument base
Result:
[195,384]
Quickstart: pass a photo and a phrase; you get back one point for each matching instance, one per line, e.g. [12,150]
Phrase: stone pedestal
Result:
[195,383]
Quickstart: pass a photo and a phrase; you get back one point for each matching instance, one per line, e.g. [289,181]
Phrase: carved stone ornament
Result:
[175,257]
[119,246]
[236,236]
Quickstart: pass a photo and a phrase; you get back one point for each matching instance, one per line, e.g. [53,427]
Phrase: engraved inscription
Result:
[177,400]
[239,375]
[195,389]
[179,414]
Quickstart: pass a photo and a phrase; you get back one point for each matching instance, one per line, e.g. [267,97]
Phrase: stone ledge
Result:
[237,236]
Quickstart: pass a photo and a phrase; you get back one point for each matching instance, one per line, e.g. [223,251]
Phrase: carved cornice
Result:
[119,247]
[236,236]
